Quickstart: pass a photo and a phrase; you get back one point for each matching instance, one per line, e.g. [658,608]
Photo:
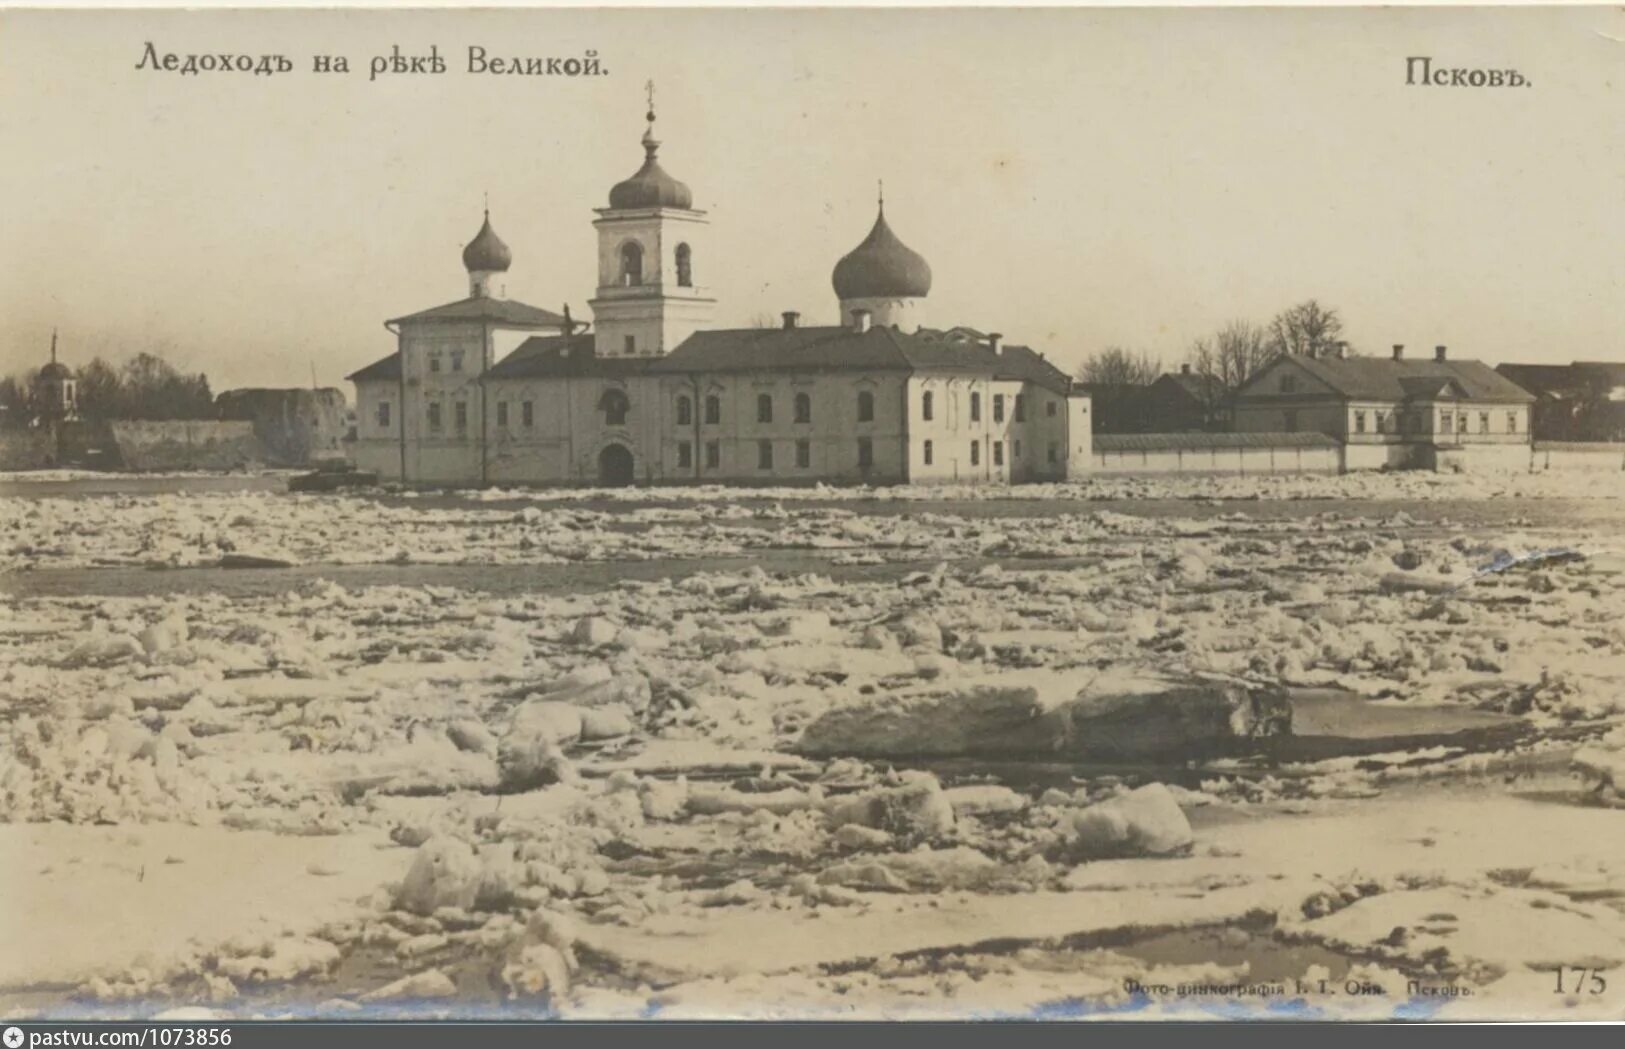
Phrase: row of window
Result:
[632,265]
[764,454]
[456,361]
[1449,422]
[928,407]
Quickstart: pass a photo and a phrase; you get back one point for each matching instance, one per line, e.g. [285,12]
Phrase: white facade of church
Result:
[653,394]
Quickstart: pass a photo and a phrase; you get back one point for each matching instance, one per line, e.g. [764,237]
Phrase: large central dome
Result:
[651,187]
[882,267]
[486,252]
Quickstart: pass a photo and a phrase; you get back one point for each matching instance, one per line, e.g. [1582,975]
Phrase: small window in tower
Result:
[803,408]
[685,411]
[764,455]
[975,410]
[685,270]
[713,410]
[614,406]
[866,407]
[631,264]
[764,408]
[631,345]
[803,453]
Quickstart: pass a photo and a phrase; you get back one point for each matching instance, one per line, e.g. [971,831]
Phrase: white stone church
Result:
[649,393]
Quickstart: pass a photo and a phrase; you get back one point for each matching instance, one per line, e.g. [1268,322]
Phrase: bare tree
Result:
[1232,355]
[1116,367]
[1307,329]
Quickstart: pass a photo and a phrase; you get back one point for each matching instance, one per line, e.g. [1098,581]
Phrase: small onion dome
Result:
[882,267]
[55,372]
[486,252]
[651,187]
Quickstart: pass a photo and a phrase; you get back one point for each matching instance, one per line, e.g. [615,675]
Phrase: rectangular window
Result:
[1021,410]
[527,414]
[998,407]
[764,408]
[927,408]
[1016,450]
[456,360]
[502,413]
[998,453]
[764,455]
[434,417]
[1445,419]
[461,415]
[383,413]
[1512,422]
[631,345]
[1461,422]
[713,410]
[1359,422]
[1483,422]
[685,454]
[866,453]
[713,454]
[975,407]
[803,454]
[926,452]
[1052,451]
[976,453]
[434,362]
[1049,409]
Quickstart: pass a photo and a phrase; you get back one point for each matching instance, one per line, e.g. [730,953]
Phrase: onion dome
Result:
[882,267]
[55,372]
[486,252]
[651,187]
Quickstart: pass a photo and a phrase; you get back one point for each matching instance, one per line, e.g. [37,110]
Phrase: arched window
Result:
[713,410]
[925,406]
[803,408]
[631,263]
[685,266]
[764,408]
[866,407]
[614,406]
[685,411]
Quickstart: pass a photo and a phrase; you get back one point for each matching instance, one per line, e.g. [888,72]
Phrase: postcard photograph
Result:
[812,514]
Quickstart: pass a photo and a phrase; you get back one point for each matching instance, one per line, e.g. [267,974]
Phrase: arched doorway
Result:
[615,466]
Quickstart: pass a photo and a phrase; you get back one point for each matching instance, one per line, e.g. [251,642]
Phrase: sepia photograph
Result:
[811,514]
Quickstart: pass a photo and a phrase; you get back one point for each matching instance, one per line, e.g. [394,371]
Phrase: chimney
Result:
[791,319]
[993,338]
[1399,351]
[1438,353]
[860,320]
[1185,369]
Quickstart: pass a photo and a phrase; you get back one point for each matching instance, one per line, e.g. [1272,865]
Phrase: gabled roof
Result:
[561,356]
[1385,379]
[1200,388]
[506,312]
[386,368]
[879,349]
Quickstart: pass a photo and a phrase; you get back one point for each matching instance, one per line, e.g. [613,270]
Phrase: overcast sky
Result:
[1076,179]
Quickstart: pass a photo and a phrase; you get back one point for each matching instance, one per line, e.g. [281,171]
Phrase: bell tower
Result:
[651,254]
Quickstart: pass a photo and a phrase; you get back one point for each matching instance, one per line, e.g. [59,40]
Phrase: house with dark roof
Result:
[1394,411]
[1583,401]
[649,392]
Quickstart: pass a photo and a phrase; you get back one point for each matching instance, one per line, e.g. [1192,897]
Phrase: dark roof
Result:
[1385,379]
[844,349]
[559,356]
[54,370]
[1163,442]
[384,368]
[881,267]
[1565,380]
[1202,388]
[505,312]
[651,187]
[486,251]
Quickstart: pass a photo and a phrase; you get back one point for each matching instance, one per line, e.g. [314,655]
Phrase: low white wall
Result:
[1258,460]
[1553,455]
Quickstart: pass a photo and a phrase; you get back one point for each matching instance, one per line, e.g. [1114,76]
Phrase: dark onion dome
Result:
[486,252]
[651,187]
[54,371]
[882,267]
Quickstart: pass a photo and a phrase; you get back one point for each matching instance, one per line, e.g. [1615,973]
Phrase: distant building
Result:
[296,427]
[1118,407]
[653,394]
[1187,402]
[1583,401]
[1393,412]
